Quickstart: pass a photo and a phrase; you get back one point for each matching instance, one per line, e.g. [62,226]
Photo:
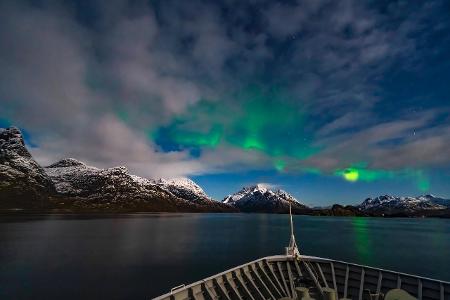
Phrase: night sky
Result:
[332,101]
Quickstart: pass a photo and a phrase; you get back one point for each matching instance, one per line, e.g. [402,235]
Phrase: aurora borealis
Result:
[332,101]
[256,123]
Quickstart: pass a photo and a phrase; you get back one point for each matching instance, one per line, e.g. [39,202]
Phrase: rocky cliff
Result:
[23,183]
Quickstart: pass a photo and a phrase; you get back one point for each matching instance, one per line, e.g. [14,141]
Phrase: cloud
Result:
[97,95]
[288,20]
[99,89]
[110,143]
[43,63]
[270,186]
[340,49]
[408,142]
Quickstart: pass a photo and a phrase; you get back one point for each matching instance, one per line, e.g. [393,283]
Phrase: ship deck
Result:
[307,277]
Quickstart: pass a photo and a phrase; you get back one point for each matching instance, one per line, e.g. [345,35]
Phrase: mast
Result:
[292,224]
[292,249]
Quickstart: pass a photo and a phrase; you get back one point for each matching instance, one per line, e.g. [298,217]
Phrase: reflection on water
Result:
[144,255]
[362,239]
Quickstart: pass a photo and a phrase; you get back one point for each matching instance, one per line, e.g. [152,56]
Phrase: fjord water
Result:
[140,256]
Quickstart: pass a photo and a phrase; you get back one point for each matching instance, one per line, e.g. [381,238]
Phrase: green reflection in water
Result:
[362,240]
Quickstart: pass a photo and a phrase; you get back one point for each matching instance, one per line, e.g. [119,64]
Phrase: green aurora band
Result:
[257,122]
[360,173]
[354,174]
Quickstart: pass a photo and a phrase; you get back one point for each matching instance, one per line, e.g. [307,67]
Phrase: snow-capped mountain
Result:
[114,187]
[259,198]
[184,188]
[23,183]
[70,184]
[392,204]
[74,178]
[436,200]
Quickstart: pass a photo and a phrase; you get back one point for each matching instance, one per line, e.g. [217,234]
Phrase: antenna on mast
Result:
[292,249]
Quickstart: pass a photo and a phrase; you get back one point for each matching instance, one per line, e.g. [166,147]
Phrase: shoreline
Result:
[314,213]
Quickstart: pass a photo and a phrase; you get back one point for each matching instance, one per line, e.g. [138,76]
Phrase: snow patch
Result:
[423,202]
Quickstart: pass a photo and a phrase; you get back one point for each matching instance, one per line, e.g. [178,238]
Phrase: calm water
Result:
[140,256]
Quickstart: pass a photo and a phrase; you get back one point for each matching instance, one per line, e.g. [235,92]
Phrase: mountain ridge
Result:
[73,186]
[70,185]
[392,205]
[259,198]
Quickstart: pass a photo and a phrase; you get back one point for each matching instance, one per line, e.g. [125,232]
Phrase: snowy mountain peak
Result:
[12,131]
[263,189]
[259,187]
[182,182]
[11,141]
[183,187]
[22,180]
[429,197]
[259,198]
[390,203]
[67,162]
